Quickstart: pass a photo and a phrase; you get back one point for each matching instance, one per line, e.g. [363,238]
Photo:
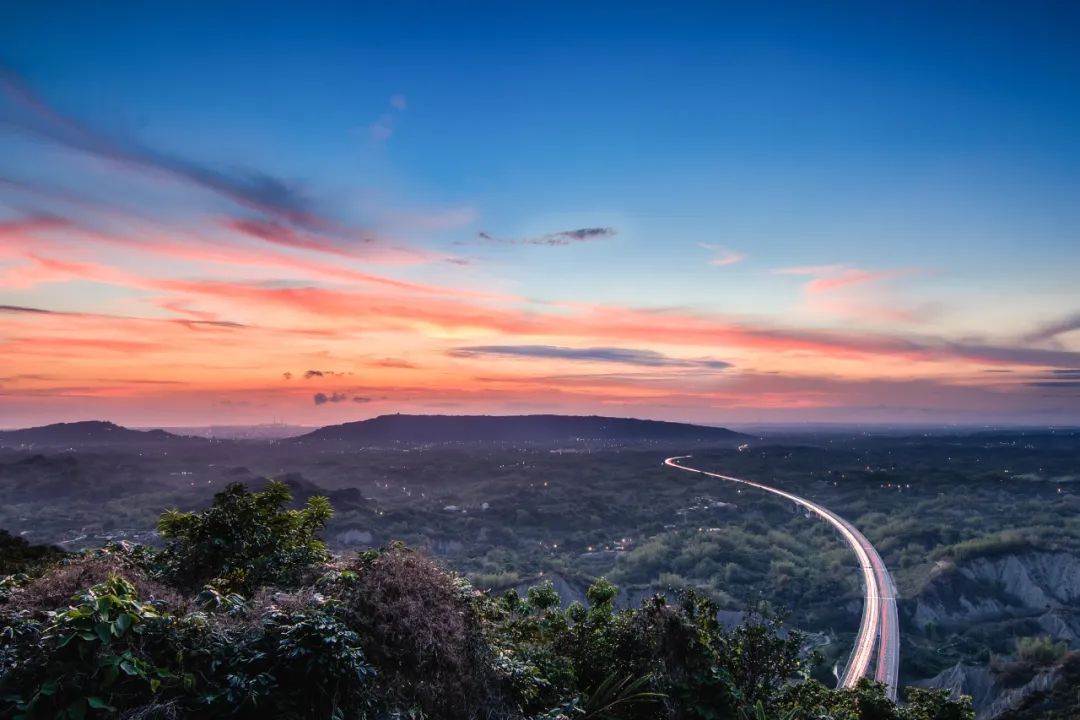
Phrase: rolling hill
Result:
[76,434]
[511,428]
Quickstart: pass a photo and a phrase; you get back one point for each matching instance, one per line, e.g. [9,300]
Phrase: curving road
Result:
[879,627]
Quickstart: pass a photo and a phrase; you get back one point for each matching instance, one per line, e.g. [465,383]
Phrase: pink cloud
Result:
[852,276]
[852,292]
[41,240]
[810,270]
[722,256]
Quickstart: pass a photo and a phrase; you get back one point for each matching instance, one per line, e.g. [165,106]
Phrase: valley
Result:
[981,530]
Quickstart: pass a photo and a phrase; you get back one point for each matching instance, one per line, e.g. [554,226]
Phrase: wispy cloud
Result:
[1051,331]
[384,126]
[395,363]
[555,239]
[1059,378]
[282,212]
[822,270]
[40,240]
[340,397]
[722,256]
[322,373]
[852,276]
[24,310]
[27,310]
[853,292]
[833,277]
[257,190]
[280,234]
[624,356]
[335,311]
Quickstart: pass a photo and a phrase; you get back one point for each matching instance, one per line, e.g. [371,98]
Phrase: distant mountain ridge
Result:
[512,428]
[88,432]
[401,428]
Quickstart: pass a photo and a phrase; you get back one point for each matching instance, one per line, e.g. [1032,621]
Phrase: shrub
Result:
[419,625]
[293,658]
[56,588]
[1000,543]
[92,657]
[1040,650]
[245,540]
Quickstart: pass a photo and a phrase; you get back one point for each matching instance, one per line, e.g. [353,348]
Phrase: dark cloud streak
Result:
[1051,330]
[338,397]
[27,112]
[190,324]
[556,239]
[624,356]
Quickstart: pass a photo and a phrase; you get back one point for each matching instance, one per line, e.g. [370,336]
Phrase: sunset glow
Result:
[771,236]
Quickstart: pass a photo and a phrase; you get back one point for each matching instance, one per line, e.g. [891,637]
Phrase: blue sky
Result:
[907,170]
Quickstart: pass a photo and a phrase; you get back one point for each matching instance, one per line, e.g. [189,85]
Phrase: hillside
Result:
[90,432]
[513,428]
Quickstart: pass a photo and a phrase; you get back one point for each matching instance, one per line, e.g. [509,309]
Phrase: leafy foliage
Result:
[1040,650]
[91,655]
[245,540]
[868,701]
[296,657]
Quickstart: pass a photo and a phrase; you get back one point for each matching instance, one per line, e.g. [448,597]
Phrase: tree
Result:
[244,540]
[19,556]
[761,657]
[868,701]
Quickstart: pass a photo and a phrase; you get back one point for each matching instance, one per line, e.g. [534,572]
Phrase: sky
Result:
[237,213]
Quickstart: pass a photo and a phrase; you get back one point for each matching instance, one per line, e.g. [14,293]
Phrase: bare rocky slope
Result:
[1036,591]
[991,695]
[1039,587]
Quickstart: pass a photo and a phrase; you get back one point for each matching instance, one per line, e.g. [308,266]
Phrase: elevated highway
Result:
[879,628]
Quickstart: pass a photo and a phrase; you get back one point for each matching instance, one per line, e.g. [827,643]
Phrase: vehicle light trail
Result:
[879,627]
